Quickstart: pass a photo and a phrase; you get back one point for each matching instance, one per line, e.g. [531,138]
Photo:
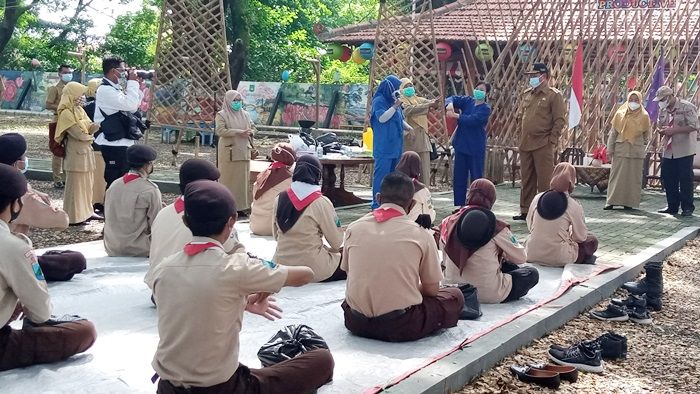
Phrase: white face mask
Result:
[634,106]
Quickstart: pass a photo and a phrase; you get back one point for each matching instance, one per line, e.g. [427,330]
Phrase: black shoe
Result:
[522,216]
[625,302]
[590,260]
[639,315]
[542,377]
[611,313]
[668,211]
[608,208]
[651,284]
[687,213]
[58,185]
[612,346]
[242,215]
[585,357]
[626,208]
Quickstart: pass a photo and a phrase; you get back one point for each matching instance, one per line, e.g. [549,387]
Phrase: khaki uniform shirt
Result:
[169,235]
[542,116]
[36,212]
[424,205]
[79,153]
[621,148]
[21,279]
[417,117]
[130,209]
[53,98]
[201,300]
[483,269]
[555,242]
[387,262]
[303,244]
[682,145]
[233,144]
[261,213]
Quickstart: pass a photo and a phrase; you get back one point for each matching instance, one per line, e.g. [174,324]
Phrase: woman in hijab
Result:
[270,183]
[99,185]
[235,131]
[75,129]
[558,232]
[410,164]
[481,250]
[416,109]
[631,130]
[388,125]
[303,218]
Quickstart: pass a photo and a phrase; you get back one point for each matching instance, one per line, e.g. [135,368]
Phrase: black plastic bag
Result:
[288,343]
[472,308]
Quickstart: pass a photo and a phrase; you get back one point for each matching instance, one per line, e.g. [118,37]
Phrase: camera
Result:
[147,75]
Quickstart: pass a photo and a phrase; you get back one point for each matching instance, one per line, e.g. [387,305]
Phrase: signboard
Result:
[636,4]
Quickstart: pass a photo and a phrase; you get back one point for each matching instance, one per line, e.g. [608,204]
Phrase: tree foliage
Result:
[134,37]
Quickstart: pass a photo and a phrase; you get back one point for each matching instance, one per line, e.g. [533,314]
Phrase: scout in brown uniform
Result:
[200,311]
[53,98]
[558,232]
[679,125]
[270,183]
[410,164]
[131,205]
[542,116]
[43,338]
[393,289]
[303,218]
[480,250]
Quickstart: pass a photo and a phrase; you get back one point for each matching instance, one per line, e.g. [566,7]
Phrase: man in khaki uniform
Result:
[131,205]
[679,125]
[23,290]
[53,98]
[393,287]
[200,311]
[541,116]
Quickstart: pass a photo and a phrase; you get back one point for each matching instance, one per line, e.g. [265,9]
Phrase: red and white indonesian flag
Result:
[576,99]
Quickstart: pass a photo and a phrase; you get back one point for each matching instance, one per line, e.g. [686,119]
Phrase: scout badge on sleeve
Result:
[288,343]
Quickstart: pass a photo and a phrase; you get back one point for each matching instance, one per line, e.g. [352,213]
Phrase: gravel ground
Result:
[662,358]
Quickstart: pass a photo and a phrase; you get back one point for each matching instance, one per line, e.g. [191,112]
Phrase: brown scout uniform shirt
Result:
[21,279]
[261,212]
[130,209]
[36,212]
[541,116]
[53,98]
[682,145]
[201,300]
[387,262]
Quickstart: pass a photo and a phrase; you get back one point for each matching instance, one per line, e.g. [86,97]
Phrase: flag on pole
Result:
[576,99]
[657,82]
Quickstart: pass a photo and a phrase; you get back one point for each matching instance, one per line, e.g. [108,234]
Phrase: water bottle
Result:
[319,151]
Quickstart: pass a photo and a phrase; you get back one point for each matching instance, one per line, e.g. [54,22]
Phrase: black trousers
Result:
[115,162]
[677,178]
[524,279]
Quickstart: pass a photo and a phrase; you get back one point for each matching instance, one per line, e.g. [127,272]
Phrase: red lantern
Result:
[347,54]
[616,51]
[444,51]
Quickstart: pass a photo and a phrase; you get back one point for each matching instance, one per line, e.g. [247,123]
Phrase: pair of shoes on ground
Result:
[652,286]
[547,375]
[611,207]
[685,212]
[632,308]
[588,355]
[522,216]
[59,185]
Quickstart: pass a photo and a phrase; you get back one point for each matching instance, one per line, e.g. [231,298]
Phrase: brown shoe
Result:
[544,378]
[567,373]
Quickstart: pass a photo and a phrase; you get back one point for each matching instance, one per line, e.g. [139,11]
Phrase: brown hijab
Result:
[563,178]
[234,119]
[283,157]
[410,164]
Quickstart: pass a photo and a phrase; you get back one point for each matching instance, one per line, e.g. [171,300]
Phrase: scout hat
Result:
[552,204]
[208,202]
[476,227]
[12,148]
[14,184]
[538,68]
[662,93]
[197,169]
[139,155]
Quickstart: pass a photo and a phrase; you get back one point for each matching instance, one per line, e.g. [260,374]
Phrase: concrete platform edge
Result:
[456,370]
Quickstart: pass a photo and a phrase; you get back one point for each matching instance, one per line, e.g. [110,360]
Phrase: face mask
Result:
[479,95]
[535,82]
[66,77]
[409,91]
[14,215]
[236,105]
[26,165]
[634,106]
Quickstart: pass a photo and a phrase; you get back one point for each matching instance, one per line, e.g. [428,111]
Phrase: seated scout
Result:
[131,205]
[169,233]
[200,311]
[303,218]
[270,183]
[558,232]
[37,212]
[393,288]
[480,250]
[410,164]
[43,338]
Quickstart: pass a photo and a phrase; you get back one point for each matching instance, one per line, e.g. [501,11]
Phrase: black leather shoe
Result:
[687,213]
[522,216]
[608,208]
[544,378]
[668,211]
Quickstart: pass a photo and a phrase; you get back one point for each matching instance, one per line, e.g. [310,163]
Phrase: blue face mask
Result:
[409,91]
[535,82]
[236,105]
[66,77]
[479,95]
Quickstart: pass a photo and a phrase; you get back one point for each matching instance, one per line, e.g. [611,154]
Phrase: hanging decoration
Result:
[346,55]
[366,50]
[334,51]
[285,75]
[617,52]
[525,52]
[484,52]
[357,57]
[444,50]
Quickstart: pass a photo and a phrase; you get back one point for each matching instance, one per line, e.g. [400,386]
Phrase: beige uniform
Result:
[303,244]
[21,279]
[169,235]
[682,145]
[130,209]
[483,269]
[424,205]
[418,140]
[555,242]
[37,212]
[79,165]
[53,98]
[234,162]
[201,300]
[387,262]
[261,213]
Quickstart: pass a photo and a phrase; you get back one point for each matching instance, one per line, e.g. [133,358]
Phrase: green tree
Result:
[134,37]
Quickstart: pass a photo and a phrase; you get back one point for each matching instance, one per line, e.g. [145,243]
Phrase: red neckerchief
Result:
[194,248]
[301,204]
[130,177]
[179,204]
[277,164]
[383,214]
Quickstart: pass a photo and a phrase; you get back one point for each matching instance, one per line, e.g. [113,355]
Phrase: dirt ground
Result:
[663,357]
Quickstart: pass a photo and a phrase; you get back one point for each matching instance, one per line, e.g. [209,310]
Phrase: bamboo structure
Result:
[191,67]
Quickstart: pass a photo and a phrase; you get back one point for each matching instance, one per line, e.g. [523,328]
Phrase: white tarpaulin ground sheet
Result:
[111,293]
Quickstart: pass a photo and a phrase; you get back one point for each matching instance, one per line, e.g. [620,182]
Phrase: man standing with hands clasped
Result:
[678,125]
[541,116]
[53,98]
